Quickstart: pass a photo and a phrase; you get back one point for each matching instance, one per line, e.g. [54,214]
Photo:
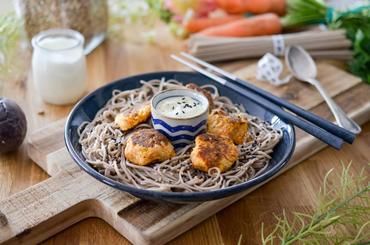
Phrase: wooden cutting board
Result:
[71,195]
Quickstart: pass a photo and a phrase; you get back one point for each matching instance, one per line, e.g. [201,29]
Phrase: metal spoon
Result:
[303,67]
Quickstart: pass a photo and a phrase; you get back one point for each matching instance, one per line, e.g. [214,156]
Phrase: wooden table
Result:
[294,190]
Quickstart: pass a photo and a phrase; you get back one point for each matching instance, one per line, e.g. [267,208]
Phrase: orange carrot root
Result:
[253,6]
[264,24]
[199,24]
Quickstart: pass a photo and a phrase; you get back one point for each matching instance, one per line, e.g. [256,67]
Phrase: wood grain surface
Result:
[294,190]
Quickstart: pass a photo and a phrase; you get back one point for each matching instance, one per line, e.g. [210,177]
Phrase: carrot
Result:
[259,25]
[198,24]
[253,6]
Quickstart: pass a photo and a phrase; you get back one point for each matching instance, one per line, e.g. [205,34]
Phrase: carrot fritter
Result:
[234,127]
[133,117]
[213,151]
[146,146]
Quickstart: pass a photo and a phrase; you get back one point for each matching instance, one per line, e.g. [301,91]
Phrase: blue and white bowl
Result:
[180,131]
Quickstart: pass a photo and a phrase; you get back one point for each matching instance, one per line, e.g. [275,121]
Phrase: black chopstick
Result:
[345,134]
[308,127]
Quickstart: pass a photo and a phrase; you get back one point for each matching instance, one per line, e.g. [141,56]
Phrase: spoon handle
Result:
[342,119]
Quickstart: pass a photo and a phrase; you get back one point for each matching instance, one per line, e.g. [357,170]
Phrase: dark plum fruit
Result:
[13,125]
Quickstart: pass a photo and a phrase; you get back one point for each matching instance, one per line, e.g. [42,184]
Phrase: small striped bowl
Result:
[180,131]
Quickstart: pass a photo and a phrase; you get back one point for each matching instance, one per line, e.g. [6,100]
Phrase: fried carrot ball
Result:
[234,127]
[146,146]
[133,117]
[213,151]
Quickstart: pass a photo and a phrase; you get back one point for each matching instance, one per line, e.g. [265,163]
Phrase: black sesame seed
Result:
[183,98]
[177,113]
[183,112]
[179,103]
[173,108]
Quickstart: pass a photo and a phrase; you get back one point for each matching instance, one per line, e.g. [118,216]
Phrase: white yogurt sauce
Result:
[180,107]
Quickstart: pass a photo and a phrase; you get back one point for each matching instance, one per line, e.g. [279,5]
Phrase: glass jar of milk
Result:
[59,66]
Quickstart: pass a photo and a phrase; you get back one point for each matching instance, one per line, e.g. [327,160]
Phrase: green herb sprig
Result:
[342,215]
[357,25]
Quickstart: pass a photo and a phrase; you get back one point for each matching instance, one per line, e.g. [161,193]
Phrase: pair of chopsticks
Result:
[318,127]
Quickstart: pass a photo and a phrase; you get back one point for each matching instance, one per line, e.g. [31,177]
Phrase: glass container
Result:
[59,66]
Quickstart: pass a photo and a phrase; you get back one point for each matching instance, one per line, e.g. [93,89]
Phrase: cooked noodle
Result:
[103,142]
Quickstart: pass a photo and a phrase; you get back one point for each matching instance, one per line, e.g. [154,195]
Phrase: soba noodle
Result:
[103,142]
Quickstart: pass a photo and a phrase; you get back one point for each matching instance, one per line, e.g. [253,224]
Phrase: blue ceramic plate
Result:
[86,109]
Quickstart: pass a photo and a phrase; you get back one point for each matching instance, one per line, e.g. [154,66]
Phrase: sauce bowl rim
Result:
[200,95]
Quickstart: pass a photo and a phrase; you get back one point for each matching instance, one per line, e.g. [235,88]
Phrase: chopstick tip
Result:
[173,56]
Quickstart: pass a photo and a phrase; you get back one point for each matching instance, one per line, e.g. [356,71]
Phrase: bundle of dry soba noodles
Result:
[103,142]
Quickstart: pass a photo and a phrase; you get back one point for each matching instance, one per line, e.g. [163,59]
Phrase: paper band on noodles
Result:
[278,45]
[269,68]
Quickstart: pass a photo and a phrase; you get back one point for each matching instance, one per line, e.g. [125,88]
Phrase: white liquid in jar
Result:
[59,68]
[180,107]
[58,43]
